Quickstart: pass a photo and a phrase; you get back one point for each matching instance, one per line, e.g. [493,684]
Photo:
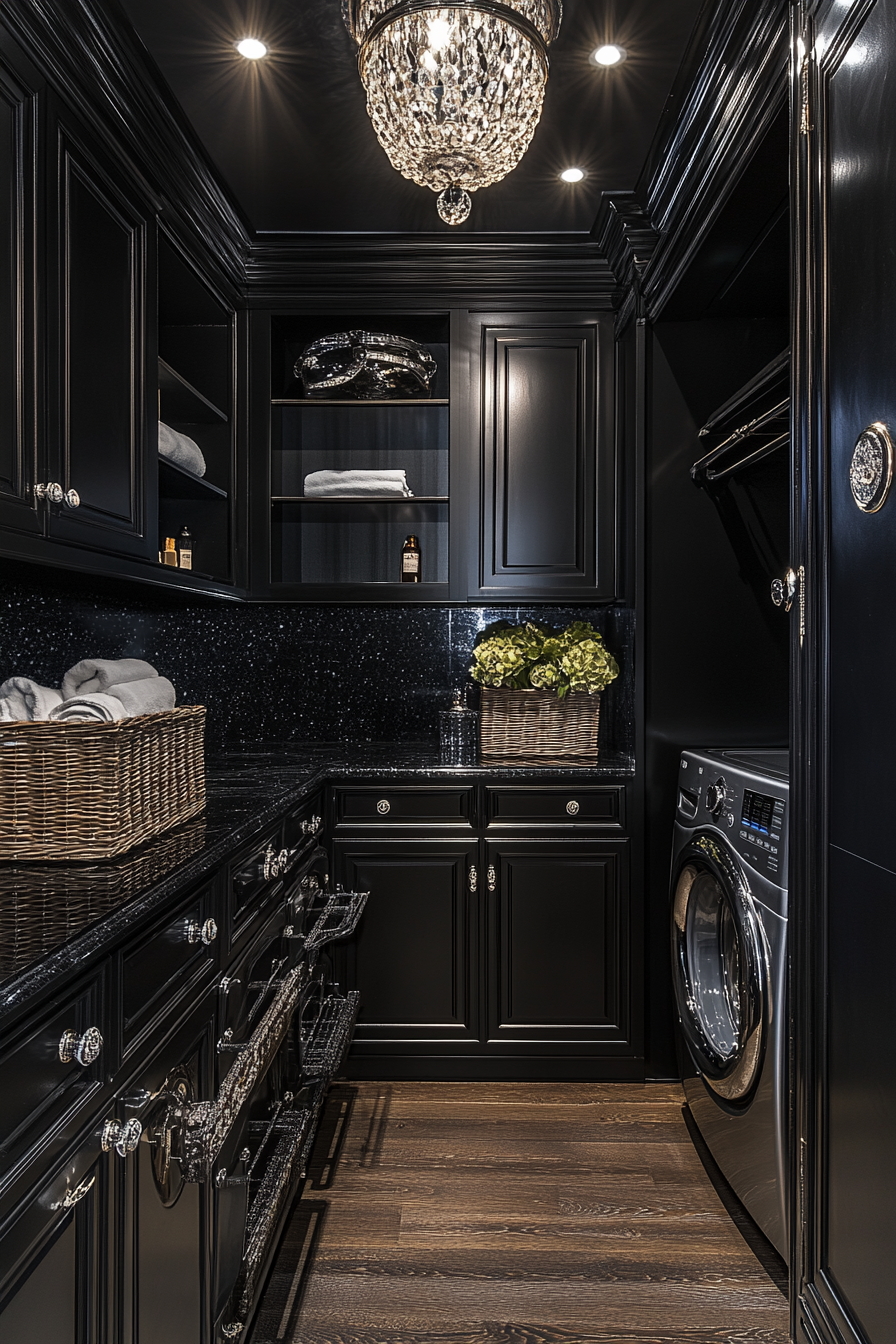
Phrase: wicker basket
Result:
[94,790]
[535,727]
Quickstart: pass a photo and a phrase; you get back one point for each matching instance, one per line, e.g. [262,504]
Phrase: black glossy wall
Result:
[277,672]
[716,649]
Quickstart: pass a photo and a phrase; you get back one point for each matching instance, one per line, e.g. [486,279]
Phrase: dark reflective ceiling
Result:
[291,136]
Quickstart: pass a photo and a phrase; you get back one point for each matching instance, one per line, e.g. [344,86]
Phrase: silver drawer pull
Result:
[492,877]
[85,1049]
[383,807]
[473,877]
[572,807]
[72,1197]
[202,933]
[121,1135]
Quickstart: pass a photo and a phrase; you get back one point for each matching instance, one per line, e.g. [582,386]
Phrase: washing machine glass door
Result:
[720,967]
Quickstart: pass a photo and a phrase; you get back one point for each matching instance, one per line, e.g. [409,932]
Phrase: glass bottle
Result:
[185,548]
[411,560]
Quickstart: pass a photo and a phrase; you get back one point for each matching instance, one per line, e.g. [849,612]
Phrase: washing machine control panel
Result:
[753,817]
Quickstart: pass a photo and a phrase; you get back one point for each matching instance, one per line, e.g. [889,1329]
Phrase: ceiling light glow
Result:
[572,175]
[251,48]
[610,54]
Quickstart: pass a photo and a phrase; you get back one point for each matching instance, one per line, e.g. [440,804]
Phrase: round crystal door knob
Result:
[71,499]
[572,807]
[85,1048]
[383,807]
[52,491]
[121,1135]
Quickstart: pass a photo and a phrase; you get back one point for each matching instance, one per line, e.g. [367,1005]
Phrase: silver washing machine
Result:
[729,958]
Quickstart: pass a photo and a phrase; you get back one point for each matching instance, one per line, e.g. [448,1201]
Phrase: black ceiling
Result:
[291,137]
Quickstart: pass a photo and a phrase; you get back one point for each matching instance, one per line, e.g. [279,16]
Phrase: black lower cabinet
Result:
[558,939]
[414,959]
[491,958]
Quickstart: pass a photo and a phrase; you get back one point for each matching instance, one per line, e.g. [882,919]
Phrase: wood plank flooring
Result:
[510,1213]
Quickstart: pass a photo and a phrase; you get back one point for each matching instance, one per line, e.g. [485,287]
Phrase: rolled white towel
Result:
[91,708]
[150,696]
[98,674]
[180,448]
[348,484]
[24,699]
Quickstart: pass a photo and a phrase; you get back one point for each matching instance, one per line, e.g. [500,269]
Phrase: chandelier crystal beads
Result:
[454,91]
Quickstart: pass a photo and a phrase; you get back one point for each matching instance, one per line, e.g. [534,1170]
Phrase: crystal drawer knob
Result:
[71,499]
[85,1049]
[52,492]
[122,1136]
[383,806]
[572,807]
[202,933]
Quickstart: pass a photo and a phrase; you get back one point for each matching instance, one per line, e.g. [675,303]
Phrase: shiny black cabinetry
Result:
[498,937]
[223,1000]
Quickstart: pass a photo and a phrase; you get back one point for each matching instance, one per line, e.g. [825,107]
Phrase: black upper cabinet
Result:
[19,86]
[546,510]
[100,273]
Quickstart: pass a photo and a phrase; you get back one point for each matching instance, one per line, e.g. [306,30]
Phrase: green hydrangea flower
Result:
[521,657]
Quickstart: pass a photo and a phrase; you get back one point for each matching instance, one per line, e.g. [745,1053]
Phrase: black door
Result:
[557,938]
[414,956]
[846,898]
[547,503]
[719,969]
[19,86]
[101,348]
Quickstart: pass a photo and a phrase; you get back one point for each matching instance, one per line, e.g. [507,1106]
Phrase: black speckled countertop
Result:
[58,919]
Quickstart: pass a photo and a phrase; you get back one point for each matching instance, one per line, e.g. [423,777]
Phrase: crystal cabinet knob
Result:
[71,499]
[384,807]
[784,590]
[51,491]
[122,1136]
[85,1048]
[202,933]
[572,807]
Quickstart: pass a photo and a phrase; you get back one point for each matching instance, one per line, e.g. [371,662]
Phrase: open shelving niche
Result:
[357,541]
[196,397]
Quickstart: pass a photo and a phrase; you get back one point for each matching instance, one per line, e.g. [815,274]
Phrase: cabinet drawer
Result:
[254,879]
[404,806]
[157,970]
[43,1078]
[564,805]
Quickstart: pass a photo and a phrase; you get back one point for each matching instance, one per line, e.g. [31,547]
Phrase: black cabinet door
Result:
[100,275]
[52,1257]
[19,86]
[414,957]
[547,501]
[557,970]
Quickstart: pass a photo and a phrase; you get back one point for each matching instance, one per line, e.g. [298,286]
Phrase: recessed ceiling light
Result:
[251,48]
[608,55]
[572,175]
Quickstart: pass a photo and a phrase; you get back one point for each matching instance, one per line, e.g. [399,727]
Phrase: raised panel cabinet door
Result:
[547,506]
[413,958]
[558,937]
[19,85]
[101,250]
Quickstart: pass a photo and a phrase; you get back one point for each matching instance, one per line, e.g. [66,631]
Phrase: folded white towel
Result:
[350,484]
[150,696]
[21,698]
[180,448]
[93,708]
[98,674]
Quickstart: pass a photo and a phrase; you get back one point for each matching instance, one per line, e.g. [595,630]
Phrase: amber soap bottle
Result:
[410,560]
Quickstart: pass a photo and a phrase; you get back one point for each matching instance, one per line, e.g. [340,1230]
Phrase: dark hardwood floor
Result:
[510,1213]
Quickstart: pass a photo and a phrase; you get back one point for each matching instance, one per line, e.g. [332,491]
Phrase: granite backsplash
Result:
[286,673]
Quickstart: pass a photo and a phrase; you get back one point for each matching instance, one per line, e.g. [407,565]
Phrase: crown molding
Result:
[429,270]
[88,52]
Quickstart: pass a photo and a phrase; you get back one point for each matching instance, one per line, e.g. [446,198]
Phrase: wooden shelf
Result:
[397,401]
[184,404]
[359,499]
[176,482]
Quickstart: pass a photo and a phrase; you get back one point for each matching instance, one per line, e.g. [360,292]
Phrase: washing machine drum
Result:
[719,967]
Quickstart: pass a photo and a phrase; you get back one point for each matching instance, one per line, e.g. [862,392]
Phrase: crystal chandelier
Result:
[454,91]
